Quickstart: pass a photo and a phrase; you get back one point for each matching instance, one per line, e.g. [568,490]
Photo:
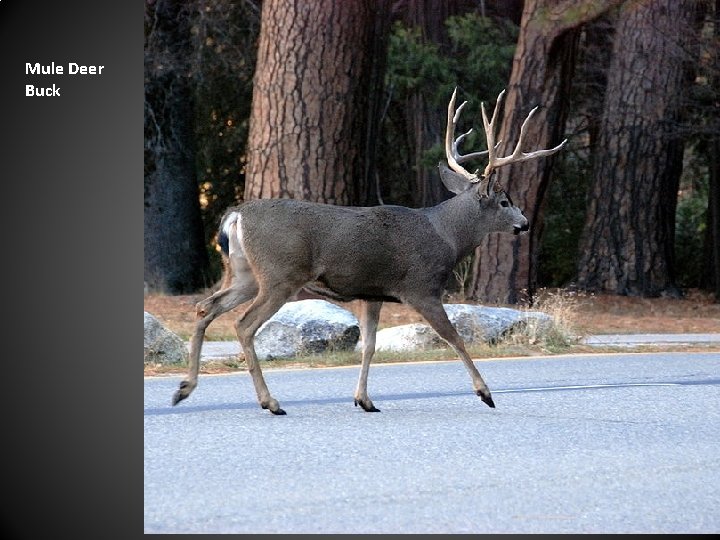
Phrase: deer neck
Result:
[460,222]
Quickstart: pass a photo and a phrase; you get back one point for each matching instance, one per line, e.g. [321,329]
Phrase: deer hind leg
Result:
[268,301]
[369,316]
[432,310]
[239,287]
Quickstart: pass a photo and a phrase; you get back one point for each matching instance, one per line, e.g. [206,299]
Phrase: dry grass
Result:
[607,314]
[557,335]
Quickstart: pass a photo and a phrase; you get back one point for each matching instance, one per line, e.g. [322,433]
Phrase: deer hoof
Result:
[366,405]
[273,406]
[487,399]
[183,392]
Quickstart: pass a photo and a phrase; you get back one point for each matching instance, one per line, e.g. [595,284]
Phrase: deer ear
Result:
[453,181]
[484,187]
[491,185]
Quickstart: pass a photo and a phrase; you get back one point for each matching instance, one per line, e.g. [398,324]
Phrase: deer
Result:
[274,248]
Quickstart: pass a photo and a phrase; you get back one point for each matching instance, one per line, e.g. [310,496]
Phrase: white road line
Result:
[581,386]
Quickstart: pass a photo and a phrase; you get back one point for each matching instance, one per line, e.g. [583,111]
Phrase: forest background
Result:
[345,102]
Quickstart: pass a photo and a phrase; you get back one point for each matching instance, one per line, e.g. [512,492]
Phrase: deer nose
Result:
[522,228]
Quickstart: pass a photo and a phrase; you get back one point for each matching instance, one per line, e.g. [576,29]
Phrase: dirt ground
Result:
[586,314]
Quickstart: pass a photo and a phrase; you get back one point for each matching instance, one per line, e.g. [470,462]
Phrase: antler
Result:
[454,158]
[451,146]
[517,155]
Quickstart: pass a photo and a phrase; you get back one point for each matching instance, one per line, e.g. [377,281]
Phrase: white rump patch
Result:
[232,227]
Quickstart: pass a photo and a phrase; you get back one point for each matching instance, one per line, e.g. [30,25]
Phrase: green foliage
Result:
[691,221]
[412,63]
[483,50]
[477,60]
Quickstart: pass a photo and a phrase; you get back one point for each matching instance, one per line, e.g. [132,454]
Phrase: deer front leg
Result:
[432,310]
[369,316]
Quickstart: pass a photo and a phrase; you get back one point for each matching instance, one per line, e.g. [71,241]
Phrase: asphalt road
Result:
[579,444]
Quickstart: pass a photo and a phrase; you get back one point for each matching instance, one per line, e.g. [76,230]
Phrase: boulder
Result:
[407,338]
[490,324]
[161,346]
[306,327]
[475,324]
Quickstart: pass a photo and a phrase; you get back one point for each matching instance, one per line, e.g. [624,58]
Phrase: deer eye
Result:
[504,204]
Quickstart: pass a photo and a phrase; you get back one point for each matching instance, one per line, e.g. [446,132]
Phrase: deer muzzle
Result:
[523,228]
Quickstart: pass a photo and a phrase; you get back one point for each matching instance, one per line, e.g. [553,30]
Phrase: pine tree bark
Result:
[176,260]
[505,269]
[316,101]
[627,246]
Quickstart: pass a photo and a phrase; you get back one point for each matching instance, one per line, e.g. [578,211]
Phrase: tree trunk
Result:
[426,122]
[316,101]
[176,261]
[628,240]
[712,235]
[505,268]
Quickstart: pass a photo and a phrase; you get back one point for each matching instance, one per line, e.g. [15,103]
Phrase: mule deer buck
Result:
[273,248]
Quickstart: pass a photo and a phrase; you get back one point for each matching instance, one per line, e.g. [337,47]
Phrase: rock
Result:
[407,338]
[480,323]
[161,346]
[306,327]
[475,324]
[490,324]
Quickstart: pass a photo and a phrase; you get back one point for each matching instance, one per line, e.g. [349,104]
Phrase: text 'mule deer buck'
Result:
[273,248]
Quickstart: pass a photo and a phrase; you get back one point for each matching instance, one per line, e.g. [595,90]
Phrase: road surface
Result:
[577,444]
